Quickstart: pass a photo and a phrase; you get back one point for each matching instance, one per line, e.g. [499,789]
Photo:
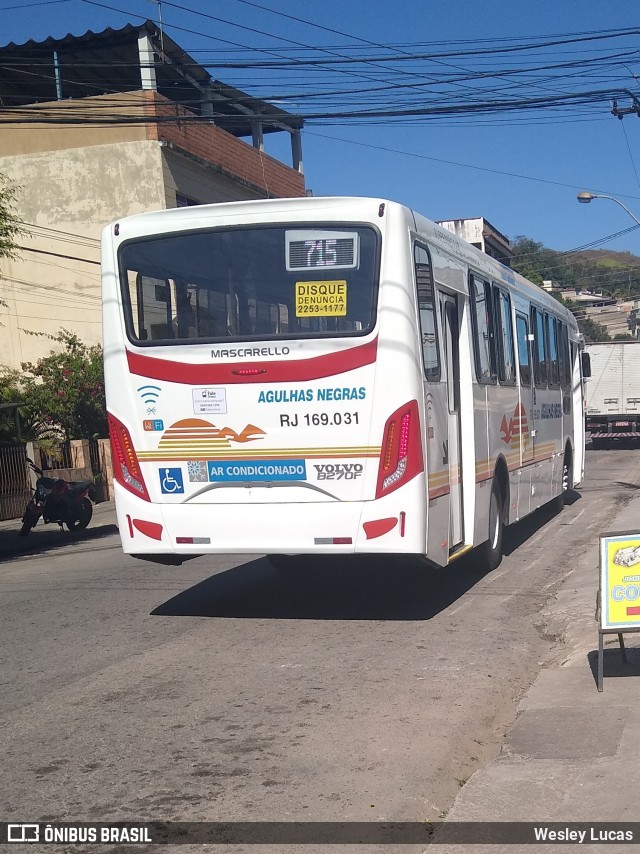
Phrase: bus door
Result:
[527,421]
[451,353]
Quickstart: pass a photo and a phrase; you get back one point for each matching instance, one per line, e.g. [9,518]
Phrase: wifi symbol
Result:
[149,393]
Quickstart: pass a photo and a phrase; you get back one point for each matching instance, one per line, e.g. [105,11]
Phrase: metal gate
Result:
[15,485]
[99,470]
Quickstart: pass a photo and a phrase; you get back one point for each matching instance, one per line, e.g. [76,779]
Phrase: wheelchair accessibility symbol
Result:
[171,481]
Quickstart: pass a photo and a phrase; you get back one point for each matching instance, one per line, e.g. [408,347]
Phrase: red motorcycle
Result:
[56,500]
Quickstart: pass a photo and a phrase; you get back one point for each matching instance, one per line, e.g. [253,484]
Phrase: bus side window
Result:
[506,361]
[524,361]
[428,326]
[552,351]
[483,337]
[539,349]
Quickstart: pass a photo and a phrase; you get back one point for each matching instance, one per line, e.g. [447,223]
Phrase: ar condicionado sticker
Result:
[321,299]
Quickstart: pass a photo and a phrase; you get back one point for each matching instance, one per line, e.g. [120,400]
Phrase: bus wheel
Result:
[493,547]
[567,482]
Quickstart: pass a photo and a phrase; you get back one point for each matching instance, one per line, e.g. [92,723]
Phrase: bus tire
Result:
[492,548]
[567,481]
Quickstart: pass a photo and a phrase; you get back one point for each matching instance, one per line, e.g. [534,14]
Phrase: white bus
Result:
[329,375]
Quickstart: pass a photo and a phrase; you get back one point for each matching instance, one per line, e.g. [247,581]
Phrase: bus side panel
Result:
[484,471]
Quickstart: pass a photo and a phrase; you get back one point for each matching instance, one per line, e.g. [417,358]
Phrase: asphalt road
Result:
[357,690]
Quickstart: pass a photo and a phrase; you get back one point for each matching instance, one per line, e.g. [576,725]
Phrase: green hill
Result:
[597,271]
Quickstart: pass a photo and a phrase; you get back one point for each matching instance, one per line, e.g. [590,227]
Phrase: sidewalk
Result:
[46,537]
[572,755]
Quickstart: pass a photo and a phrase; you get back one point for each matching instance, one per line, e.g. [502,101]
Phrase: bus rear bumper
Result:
[386,525]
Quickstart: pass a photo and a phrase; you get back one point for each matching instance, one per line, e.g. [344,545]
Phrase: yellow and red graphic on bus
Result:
[195,435]
[515,432]
[197,439]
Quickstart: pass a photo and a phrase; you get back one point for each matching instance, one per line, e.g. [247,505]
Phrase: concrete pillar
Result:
[147,62]
[296,151]
[80,456]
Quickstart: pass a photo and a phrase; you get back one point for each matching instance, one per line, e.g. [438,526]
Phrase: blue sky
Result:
[521,169]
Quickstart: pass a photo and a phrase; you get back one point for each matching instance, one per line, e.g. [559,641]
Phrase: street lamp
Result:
[585,198]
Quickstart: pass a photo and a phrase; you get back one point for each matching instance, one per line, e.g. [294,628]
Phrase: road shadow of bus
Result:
[328,587]
[322,587]
[516,535]
[47,540]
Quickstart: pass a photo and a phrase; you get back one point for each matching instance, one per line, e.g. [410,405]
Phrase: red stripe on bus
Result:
[439,491]
[294,370]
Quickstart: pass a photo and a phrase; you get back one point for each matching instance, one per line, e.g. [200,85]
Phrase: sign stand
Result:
[601,635]
[618,600]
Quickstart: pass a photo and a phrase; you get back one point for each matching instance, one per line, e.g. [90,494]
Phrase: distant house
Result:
[104,125]
[480,233]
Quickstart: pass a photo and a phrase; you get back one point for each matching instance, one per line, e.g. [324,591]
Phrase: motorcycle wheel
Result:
[27,525]
[85,512]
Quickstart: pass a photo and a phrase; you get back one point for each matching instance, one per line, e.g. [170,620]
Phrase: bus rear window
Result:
[250,283]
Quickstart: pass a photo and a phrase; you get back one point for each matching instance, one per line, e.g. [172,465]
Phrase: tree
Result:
[10,226]
[592,331]
[63,392]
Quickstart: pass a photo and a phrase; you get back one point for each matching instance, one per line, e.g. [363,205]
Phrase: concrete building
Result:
[480,233]
[619,318]
[104,125]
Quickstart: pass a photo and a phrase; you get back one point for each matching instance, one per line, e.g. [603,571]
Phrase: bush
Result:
[63,392]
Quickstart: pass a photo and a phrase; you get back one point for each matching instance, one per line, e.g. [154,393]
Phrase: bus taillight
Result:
[126,468]
[401,458]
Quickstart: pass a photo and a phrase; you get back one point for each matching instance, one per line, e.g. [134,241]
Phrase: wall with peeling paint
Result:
[65,198]
[74,179]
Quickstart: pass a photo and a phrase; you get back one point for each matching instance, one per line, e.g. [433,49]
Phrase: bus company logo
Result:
[515,432]
[195,437]
[551,410]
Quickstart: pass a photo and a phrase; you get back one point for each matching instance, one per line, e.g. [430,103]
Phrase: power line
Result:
[58,255]
[463,165]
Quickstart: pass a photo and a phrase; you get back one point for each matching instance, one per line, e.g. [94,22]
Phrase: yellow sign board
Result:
[620,580]
[321,299]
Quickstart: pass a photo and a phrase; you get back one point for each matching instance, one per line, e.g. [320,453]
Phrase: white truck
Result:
[613,392]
